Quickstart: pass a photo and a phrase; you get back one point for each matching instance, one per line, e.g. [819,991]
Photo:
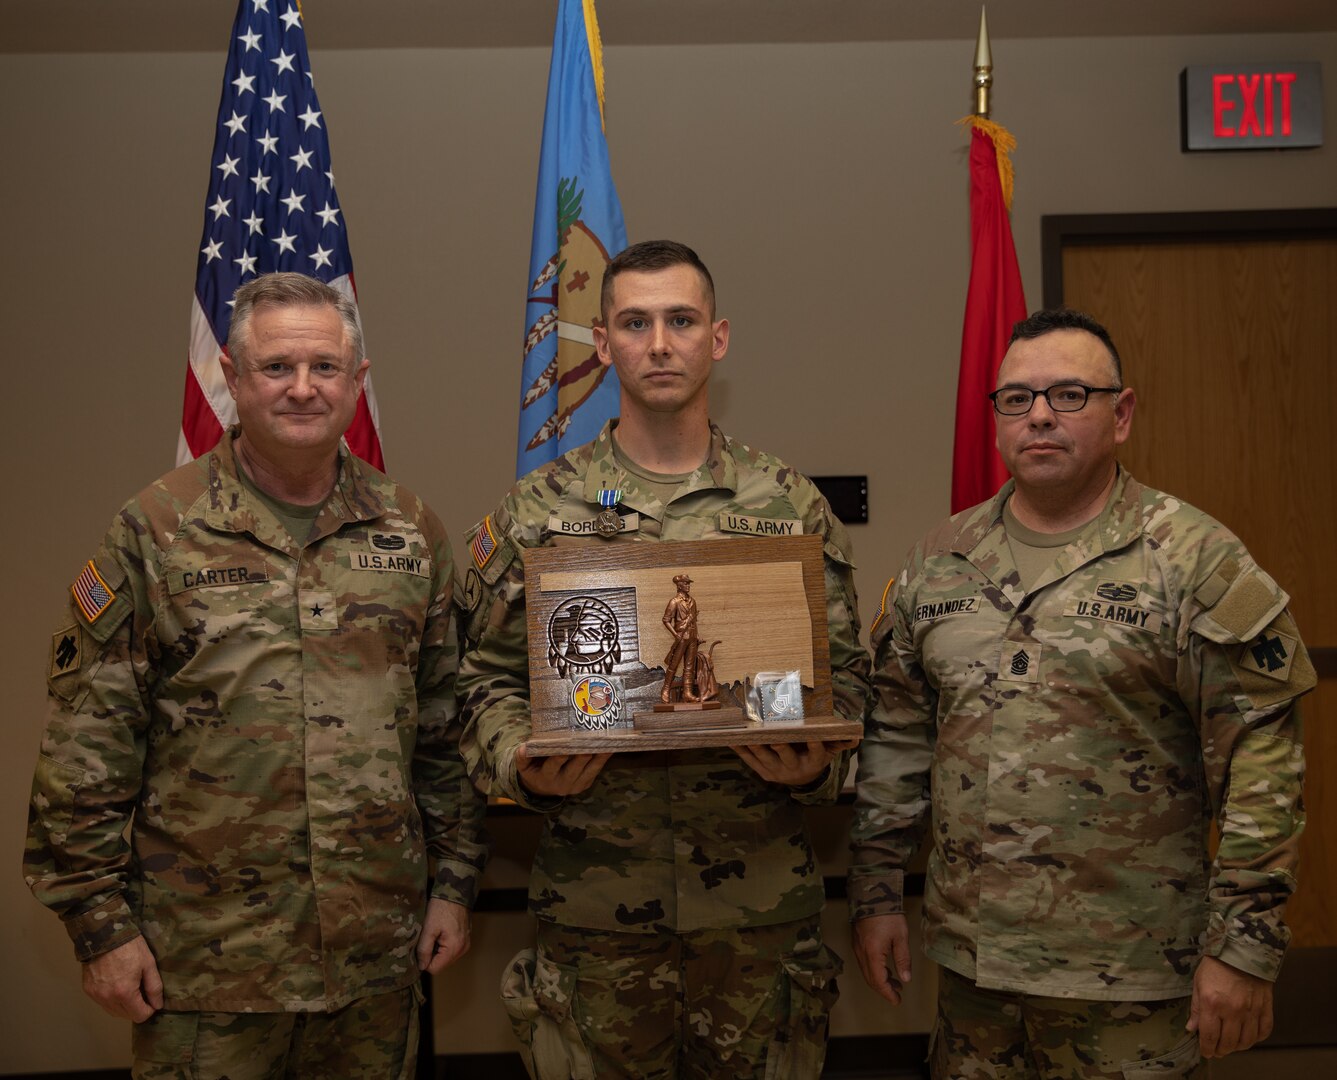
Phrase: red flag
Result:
[993,305]
[270,141]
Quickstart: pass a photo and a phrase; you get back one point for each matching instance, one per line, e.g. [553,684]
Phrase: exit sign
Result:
[1251,106]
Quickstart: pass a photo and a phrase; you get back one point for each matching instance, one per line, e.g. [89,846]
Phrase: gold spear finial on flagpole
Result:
[983,68]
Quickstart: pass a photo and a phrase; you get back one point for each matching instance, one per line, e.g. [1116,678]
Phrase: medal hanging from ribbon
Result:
[608,523]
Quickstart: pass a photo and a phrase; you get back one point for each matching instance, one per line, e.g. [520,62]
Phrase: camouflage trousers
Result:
[374,1038]
[750,1004]
[1007,1036]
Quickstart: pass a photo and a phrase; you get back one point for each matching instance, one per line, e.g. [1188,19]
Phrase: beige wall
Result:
[826,186]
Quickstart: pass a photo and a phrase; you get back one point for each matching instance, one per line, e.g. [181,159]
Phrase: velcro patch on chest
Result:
[393,543]
[391,563]
[1019,662]
[940,609]
[316,610]
[1133,616]
[606,524]
[206,577]
[759,526]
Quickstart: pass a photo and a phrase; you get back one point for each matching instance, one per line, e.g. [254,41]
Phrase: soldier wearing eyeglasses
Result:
[1074,680]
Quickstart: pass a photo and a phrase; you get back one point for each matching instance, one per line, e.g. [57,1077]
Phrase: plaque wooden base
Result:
[746,733]
[687,706]
[689,717]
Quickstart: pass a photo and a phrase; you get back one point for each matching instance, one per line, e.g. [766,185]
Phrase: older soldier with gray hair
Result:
[1077,677]
[256,674]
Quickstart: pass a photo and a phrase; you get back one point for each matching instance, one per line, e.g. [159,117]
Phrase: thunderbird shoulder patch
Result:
[66,656]
[484,543]
[91,593]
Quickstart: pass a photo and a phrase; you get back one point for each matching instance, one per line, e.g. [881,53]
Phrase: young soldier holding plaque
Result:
[676,889]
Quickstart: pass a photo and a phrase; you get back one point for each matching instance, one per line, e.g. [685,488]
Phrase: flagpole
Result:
[983,68]
[994,297]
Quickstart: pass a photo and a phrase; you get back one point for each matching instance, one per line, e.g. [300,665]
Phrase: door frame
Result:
[1060,231]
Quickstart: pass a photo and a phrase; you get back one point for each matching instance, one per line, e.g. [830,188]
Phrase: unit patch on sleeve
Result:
[473,589]
[66,655]
[1270,654]
[484,543]
[91,593]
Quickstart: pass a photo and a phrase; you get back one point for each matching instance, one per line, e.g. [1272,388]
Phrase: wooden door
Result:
[1231,344]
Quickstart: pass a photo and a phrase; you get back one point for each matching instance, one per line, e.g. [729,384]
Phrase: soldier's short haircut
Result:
[287,289]
[1047,321]
[651,255]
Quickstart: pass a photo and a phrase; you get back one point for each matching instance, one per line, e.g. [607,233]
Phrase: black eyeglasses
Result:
[1062,397]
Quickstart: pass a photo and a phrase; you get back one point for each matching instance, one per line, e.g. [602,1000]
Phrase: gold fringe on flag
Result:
[1004,142]
[596,56]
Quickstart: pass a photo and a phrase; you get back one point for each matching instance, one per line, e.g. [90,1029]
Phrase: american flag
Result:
[271,206]
[91,592]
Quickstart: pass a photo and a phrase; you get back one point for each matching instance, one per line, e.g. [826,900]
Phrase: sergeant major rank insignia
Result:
[1019,662]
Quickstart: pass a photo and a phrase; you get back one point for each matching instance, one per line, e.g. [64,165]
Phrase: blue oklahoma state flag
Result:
[565,394]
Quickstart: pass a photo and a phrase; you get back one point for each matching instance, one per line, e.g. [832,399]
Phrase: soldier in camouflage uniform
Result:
[677,894]
[256,673]
[1077,677]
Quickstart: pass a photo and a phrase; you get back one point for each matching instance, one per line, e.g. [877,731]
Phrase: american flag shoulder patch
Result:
[484,543]
[91,593]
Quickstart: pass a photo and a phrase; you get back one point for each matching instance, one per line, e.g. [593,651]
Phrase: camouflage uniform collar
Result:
[719,471]
[981,537]
[1121,522]
[233,509]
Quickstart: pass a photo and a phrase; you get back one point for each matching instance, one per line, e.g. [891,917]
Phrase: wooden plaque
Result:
[598,645]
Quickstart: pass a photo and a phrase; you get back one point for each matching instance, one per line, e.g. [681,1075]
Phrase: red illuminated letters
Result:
[1250,123]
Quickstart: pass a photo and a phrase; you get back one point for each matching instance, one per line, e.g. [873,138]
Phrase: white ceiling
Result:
[190,25]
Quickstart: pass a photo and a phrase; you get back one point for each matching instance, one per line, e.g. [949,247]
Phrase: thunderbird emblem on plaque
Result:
[583,637]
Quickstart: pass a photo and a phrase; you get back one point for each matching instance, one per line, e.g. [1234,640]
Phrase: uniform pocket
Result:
[1182,1060]
[166,1038]
[807,996]
[539,997]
